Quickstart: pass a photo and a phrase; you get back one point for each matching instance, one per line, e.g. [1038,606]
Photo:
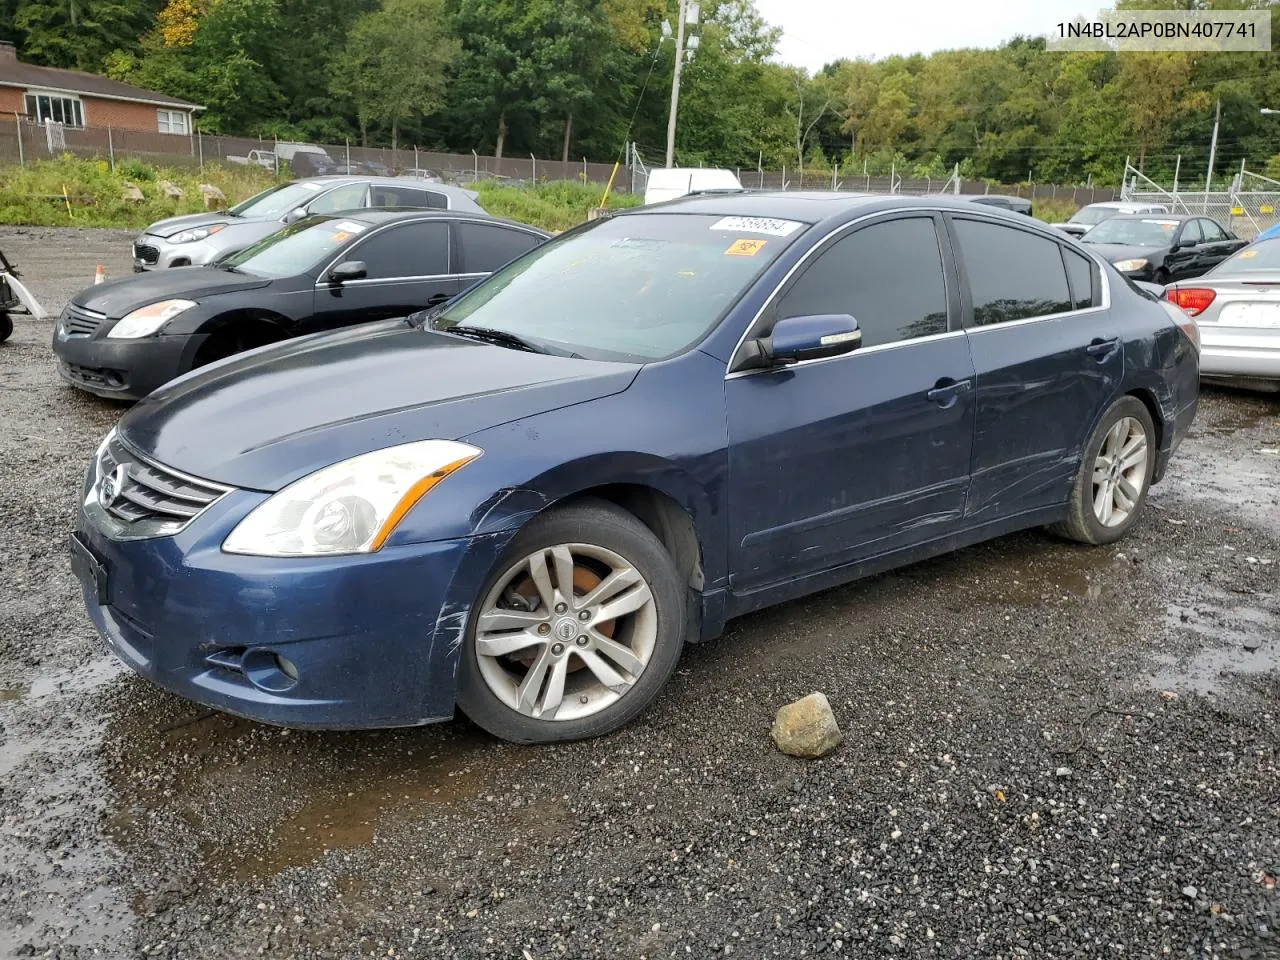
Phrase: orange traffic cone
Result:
[99,275]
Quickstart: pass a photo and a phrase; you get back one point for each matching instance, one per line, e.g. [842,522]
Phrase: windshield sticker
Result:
[341,236]
[745,248]
[313,187]
[1166,224]
[1248,254]
[350,226]
[774,228]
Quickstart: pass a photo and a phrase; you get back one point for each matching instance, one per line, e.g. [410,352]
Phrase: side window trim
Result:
[1095,279]
[352,250]
[1102,295]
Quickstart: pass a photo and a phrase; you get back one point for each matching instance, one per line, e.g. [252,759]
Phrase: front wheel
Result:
[576,631]
[6,327]
[1115,473]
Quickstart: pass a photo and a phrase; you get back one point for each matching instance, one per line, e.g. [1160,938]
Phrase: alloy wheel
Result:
[1120,472]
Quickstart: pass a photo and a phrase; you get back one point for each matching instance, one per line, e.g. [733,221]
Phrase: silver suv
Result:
[205,237]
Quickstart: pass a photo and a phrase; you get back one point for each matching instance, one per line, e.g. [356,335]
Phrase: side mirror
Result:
[348,270]
[294,215]
[806,338]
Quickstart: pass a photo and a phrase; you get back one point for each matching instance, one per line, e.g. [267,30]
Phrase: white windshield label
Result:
[766,225]
[350,226]
[309,186]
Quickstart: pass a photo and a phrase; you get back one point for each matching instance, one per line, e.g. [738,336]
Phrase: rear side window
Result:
[397,196]
[486,247]
[888,276]
[406,250]
[1080,277]
[1013,274]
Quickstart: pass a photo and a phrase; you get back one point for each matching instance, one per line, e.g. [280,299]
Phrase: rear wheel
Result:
[577,630]
[6,327]
[1115,473]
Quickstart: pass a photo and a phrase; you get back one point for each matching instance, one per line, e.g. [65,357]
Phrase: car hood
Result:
[171,225]
[265,418]
[1123,251]
[119,297]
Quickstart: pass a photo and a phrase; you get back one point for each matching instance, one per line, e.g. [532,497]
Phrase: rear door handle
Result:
[1102,348]
[946,391]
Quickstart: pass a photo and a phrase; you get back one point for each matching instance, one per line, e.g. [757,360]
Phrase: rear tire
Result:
[1115,473]
[6,327]
[542,664]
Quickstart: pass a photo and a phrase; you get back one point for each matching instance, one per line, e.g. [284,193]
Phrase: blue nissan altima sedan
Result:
[525,502]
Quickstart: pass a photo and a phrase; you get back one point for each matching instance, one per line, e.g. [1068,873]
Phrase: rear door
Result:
[1218,245]
[1185,260]
[408,268]
[1047,359]
[836,460]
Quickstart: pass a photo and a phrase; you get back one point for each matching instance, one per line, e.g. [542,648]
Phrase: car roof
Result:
[376,216]
[1120,204]
[994,196]
[810,206]
[334,179]
[1163,216]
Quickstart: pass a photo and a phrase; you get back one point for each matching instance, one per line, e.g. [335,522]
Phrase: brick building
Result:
[81,100]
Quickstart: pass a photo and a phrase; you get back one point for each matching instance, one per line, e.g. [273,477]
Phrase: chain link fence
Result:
[1249,205]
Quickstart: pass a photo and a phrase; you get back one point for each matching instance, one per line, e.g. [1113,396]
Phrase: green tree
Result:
[80,34]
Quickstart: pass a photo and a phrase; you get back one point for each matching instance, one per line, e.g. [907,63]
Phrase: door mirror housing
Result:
[294,215]
[812,337]
[348,270]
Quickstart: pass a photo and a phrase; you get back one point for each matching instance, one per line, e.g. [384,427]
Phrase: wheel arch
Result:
[269,326]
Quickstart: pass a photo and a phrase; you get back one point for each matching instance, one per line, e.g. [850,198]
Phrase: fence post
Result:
[584,171]
[415,156]
[348,154]
[17,120]
[535,169]
[784,176]
[475,166]
[111,150]
[835,174]
[200,142]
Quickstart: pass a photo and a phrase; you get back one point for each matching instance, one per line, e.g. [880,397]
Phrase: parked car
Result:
[672,182]
[1016,204]
[431,176]
[526,502]
[1269,233]
[1236,305]
[259,158]
[201,238]
[1162,247]
[126,338]
[1093,214]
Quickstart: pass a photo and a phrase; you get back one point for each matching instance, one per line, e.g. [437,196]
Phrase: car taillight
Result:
[1194,300]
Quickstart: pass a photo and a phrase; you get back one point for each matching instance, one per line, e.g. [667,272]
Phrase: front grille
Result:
[145,252]
[135,491]
[78,321]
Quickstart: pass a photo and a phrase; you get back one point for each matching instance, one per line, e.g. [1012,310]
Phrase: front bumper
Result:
[159,253]
[124,369]
[337,643]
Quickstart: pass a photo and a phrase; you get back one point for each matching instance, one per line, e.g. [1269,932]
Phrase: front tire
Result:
[1114,476]
[577,629]
[6,327]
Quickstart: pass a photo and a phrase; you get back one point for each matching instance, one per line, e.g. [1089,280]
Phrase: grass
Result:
[39,193]
[552,206]
[1054,211]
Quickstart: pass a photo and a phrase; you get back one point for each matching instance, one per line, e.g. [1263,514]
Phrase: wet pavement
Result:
[1050,751]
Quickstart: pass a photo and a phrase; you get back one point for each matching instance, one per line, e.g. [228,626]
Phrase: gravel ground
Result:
[1050,751]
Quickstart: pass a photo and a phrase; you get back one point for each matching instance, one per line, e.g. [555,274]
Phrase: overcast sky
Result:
[819,31]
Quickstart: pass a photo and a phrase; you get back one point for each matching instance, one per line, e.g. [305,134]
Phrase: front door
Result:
[1048,361]
[836,460]
[408,270]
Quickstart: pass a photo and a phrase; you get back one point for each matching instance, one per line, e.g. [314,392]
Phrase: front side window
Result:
[408,250]
[1013,274]
[887,276]
[633,287]
[1212,231]
[1136,232]
[1191,234]
[43,108]
[349,196]
[172,121]
[299,248]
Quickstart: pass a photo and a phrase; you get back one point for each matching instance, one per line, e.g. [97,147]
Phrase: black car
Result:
[1162,247]
[126,338]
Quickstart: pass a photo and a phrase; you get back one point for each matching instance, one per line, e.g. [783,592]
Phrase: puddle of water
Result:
[1209,672]
[13,693]
[1237,639]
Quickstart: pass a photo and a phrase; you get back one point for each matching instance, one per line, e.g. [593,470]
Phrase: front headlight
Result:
[1127,266]
[199,233]
[147,320]
[350,507]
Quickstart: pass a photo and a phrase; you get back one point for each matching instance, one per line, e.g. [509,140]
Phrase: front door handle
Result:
[437,298]
[946,391]
[1102,348]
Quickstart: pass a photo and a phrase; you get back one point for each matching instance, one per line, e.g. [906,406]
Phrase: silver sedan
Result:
[1236,306]
[202,238]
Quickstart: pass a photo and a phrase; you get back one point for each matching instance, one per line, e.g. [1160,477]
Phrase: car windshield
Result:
[295,249]
[1090,215]
[1153,232]
[277,201]
[632,288]
[1261,256]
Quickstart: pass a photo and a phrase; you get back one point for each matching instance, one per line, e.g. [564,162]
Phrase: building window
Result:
[173,121]
[43,107]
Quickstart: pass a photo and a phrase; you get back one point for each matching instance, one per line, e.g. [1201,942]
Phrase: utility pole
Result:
[675,85]
[1213,152]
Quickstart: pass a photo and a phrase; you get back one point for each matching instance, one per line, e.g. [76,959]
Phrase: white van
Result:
[670,182]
